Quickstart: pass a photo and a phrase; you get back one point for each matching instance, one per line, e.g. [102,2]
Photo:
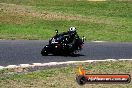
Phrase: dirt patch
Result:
[10,13]
[20,14]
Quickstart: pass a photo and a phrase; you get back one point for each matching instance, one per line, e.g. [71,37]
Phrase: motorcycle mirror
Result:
[56,31]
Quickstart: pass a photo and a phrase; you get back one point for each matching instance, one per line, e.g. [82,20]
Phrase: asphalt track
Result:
[15,52]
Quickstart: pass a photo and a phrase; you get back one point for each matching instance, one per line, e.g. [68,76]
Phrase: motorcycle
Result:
[60,45]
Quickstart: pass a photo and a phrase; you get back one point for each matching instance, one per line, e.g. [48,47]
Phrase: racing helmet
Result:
[72,29]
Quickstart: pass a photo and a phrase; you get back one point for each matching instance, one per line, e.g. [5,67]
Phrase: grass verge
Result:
[63,77]
[37,20]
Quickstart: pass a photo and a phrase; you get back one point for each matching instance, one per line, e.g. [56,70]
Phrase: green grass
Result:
[63,77]
[82,7]
[28,19]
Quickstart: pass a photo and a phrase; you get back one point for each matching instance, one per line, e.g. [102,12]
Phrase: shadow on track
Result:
[72,55]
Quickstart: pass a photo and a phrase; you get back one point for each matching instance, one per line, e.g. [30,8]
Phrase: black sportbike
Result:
[66,43]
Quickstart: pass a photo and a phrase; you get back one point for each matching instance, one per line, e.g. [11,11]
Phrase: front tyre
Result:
[44,52]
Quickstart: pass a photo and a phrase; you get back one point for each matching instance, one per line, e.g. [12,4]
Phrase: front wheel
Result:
[44,52]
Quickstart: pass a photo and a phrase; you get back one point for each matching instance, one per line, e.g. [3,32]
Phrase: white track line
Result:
[125,59]
[59,63]
[24,65]
[11,66]
[1,67]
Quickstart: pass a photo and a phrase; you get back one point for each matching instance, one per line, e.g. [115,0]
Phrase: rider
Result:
[72,34]
[68,37]
[74,39]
